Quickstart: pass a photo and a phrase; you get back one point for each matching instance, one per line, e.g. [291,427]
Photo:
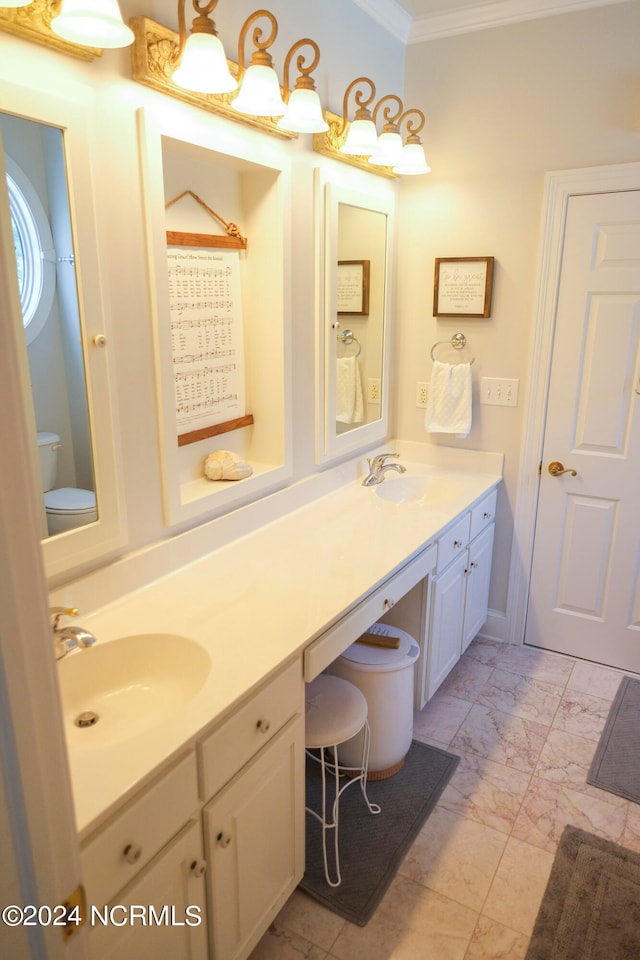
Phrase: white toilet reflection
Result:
[66,507]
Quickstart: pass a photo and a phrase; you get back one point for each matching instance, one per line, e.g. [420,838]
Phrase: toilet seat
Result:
[70,500]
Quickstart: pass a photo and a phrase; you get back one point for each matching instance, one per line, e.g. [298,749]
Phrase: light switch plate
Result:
[499,391]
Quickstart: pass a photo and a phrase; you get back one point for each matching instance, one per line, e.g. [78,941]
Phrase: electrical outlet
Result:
[374,390]
[503,393]
[422,393]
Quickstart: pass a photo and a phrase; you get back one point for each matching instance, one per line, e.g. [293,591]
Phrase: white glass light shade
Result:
[388,151]
[413,160]
[15,3]
[362,139]
[260,93]
[203,67]
[92,23]
[304,113]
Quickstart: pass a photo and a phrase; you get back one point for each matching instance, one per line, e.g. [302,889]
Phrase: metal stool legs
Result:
[332,770]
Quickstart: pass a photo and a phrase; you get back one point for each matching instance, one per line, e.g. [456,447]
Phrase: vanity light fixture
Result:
[388,151]
[15,3]
[304,110]
[259,85]
[362,137]
[92,23]
[413,160]
[202,63]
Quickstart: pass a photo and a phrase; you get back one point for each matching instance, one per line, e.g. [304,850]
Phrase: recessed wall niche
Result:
[220,319]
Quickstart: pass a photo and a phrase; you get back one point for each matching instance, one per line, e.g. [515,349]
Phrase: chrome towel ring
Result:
[458,341]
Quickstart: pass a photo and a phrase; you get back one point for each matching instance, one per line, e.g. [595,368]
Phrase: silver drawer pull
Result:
[457,544]
[388,603]
[223,839]
[263,726]
[132,852]
[198,868]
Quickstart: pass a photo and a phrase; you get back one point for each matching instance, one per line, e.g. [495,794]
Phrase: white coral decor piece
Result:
[225,465]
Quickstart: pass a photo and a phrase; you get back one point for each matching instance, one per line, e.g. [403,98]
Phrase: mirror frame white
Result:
[329,197]
[69,551]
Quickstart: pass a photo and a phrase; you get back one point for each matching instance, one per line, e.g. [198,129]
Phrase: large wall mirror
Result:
[358,232]
[67,390]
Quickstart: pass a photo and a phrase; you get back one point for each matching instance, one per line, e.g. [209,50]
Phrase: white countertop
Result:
[256,603]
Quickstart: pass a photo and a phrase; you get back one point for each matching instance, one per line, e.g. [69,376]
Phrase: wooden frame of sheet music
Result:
[209,241]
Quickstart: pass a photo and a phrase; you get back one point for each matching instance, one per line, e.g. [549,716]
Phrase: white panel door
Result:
[584,593]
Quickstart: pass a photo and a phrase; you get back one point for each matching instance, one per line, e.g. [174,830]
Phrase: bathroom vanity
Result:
[205,809]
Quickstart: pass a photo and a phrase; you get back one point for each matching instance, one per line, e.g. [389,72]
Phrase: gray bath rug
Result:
[591,906]
[372,847]
[616,764]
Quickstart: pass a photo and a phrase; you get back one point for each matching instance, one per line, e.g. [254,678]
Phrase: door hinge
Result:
[75,907]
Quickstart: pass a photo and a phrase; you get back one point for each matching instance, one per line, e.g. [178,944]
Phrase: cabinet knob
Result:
[457,544]
[263,726]
[132,852]
[223,839]
[473,564]
[486,516]
[198,868]
[388,603]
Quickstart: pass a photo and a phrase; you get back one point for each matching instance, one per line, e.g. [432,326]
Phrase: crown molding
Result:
[389,15]
[493,14]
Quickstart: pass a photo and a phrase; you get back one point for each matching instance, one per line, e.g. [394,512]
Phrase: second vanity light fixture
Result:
[202,68]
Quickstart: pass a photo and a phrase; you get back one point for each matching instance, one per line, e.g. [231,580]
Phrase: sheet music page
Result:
[206,336]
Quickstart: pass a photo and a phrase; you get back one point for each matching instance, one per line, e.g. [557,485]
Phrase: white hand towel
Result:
[449,399]
[349,396]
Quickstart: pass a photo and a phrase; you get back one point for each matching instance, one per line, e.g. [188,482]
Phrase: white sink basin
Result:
[430,491]
[128,686]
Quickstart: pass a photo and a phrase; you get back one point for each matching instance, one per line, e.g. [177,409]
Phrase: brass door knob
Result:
[556,469]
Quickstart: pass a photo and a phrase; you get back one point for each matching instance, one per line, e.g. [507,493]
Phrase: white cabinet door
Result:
[447,615]
[174,885]
[254,836]
[478,581]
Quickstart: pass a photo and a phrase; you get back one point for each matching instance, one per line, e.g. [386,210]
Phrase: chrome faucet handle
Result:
[382,458]
[58,612]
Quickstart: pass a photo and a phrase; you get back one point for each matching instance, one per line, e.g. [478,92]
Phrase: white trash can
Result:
[385,677]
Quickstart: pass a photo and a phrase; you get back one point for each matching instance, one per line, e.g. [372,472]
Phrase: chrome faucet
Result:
[378,466]
[68,637]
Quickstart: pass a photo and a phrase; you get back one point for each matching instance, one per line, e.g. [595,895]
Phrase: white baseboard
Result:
[495,627]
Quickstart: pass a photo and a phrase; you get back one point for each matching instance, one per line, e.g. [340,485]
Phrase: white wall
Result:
[503,107]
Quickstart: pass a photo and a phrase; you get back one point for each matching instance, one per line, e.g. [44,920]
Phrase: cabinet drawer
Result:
[453,541]
[335,641]
[114,855]
[229,747]
[483,514]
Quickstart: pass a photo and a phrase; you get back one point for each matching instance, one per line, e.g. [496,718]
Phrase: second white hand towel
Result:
[449,399]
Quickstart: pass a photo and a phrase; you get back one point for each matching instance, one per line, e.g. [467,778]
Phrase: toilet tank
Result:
[48,446]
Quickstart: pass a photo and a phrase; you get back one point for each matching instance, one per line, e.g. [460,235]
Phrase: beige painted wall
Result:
[503,107]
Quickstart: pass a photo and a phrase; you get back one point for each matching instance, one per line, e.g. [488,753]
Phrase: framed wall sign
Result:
[353,287]
[462,287]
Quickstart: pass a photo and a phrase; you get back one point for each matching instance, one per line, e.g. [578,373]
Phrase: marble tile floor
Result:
[525,724]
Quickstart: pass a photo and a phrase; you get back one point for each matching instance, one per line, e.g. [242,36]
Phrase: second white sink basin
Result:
[430,491]
[115,691]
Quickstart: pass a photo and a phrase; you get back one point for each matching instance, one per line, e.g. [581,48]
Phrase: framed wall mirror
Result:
[355,319]
[55,257]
